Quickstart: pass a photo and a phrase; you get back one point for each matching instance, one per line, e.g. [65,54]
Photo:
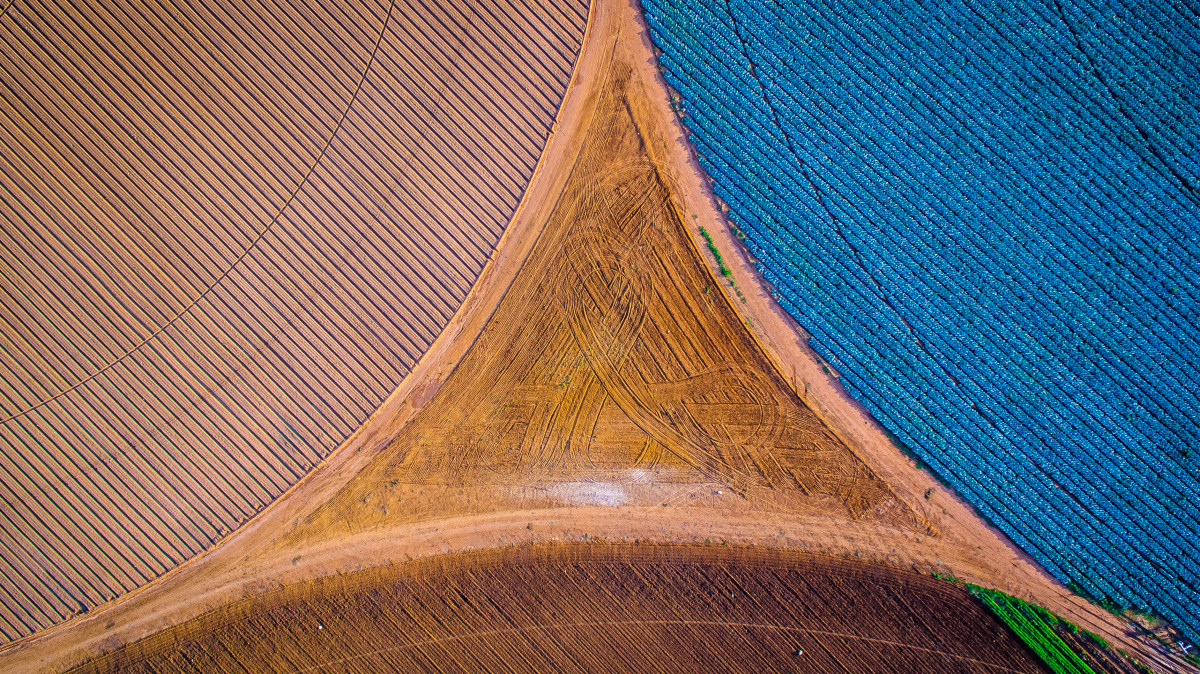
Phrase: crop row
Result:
[1036,627]
[229,232]
[987,220]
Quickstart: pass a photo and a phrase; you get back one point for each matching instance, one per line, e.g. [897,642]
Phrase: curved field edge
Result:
[221,255]
[545,606]
[1066,474]
[787,343]
[416,389]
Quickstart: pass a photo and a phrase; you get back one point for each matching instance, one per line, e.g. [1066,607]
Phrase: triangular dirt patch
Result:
[614,371]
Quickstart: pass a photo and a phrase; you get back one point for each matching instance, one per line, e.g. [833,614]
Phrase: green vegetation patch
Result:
[1035,626]
[716,253]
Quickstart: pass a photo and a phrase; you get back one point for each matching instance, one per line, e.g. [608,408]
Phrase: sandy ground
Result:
[256,558]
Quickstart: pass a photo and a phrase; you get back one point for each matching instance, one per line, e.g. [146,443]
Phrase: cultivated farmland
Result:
[229,231]
[598,384]
[596,608]
[986,215]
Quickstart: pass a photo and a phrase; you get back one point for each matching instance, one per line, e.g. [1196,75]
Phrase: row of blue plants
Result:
[986,214]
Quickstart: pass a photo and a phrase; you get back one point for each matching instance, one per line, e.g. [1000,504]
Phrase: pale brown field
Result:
[229,230]
[597,608]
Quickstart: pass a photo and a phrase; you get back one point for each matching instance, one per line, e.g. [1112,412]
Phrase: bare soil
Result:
[596,607]
[613,372]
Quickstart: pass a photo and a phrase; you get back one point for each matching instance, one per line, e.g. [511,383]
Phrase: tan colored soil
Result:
[611,393]
[600,608]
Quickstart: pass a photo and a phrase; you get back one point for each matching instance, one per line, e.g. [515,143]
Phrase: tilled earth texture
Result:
[596,608]
[613,372]
[609,380]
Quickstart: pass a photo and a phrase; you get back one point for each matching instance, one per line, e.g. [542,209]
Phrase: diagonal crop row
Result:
[987,218]
[229,231]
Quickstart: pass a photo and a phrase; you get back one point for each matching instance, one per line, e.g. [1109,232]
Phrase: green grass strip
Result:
[716,253]
[1035,626]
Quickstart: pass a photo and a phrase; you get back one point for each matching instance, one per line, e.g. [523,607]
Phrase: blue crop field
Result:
[986,214]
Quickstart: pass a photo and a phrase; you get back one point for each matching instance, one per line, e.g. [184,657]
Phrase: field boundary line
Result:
[619,623]
[250,247]
[427,373]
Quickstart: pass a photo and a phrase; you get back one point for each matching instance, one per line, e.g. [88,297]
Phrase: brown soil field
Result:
[1100,659]
[599,608]
[229,231]
[601,381]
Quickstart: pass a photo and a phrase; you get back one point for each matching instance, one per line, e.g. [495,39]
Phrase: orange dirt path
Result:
[612,373]
[626,403]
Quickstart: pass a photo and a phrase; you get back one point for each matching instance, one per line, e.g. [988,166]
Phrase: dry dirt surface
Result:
[613,372]
[599,608]
[229,230]
[601,381]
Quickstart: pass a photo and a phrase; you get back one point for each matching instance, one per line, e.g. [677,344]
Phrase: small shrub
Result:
[712,247]
[1095,639]
[1111,606]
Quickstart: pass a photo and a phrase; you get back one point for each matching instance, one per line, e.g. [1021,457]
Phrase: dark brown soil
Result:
[1098,657]
[596,607]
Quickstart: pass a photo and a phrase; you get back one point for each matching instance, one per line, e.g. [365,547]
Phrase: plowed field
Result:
[229,230]
[596,608]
